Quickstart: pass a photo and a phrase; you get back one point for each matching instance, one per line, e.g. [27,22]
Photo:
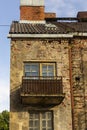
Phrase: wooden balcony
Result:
[42,91]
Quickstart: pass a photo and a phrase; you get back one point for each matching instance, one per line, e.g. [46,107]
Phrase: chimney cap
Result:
[31,2]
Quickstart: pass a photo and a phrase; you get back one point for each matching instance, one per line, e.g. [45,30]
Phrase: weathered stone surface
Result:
[14,126]
[52,50]
[79,69]
[40,50]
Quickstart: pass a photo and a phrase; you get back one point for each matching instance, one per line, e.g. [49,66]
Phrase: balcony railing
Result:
[42,85]
[42,90]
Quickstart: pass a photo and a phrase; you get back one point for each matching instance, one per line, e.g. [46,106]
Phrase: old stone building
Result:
[48,71]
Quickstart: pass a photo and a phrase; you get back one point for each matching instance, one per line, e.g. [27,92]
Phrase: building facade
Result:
[48,71]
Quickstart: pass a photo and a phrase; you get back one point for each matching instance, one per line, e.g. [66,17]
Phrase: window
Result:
[40,121]
[36,70]
[32,69]
[47,69]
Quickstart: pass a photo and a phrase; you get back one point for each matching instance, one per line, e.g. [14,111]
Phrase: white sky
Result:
[9,11]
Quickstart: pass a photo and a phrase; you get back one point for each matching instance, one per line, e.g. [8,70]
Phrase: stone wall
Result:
[39,50]
[79,78]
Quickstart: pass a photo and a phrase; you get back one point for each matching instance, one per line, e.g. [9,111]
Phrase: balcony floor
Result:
[42,99]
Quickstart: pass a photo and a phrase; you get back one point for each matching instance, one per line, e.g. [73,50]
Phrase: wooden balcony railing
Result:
[42,86]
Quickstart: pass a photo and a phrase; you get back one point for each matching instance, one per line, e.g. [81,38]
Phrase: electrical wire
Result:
[4,25]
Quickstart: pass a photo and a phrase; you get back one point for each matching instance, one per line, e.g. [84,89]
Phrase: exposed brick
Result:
[50,15]
[32,13]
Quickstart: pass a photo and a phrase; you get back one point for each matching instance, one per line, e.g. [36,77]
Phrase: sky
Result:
[10,11]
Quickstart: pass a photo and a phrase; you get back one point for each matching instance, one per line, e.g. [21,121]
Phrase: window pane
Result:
[31,123]
[36,116]
[50,74]
[31,74]
[43,115]
[49,115]
[32,69]
[50,67]
[27,68]
[44,74]
[44,124]
[27,74]
[36,123]
[34,74]
[49,123]
[44,68]
[48,70]
[31,116]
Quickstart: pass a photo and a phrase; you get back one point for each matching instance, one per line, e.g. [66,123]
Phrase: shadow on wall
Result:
[15,100]
[17,106]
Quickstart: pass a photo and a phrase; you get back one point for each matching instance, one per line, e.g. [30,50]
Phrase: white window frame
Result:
[47,120]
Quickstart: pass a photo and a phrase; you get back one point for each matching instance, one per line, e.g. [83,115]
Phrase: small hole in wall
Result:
[50,41]
[28,44]
[77,78]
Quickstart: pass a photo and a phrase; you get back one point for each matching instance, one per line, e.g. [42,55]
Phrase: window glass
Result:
[48,70]
[34,121]
[40,70]
[32,70]
[40,121]
[43,115]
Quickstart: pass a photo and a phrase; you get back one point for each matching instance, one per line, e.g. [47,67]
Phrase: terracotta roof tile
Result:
[48,28]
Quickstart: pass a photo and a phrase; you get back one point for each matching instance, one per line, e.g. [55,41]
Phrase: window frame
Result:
[31,70]
[53,64]
[41,119]
[40,67]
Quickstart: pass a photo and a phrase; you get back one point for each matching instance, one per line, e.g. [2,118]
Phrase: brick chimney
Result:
[32,10]
[82,16]
[50,15]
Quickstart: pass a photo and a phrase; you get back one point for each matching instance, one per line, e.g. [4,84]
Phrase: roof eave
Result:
[40,35]
[69,35]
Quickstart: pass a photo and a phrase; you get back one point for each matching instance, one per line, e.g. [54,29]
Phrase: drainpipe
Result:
[71,87]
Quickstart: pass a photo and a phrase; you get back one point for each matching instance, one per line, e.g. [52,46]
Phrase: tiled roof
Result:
[73,26]
[47,28]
